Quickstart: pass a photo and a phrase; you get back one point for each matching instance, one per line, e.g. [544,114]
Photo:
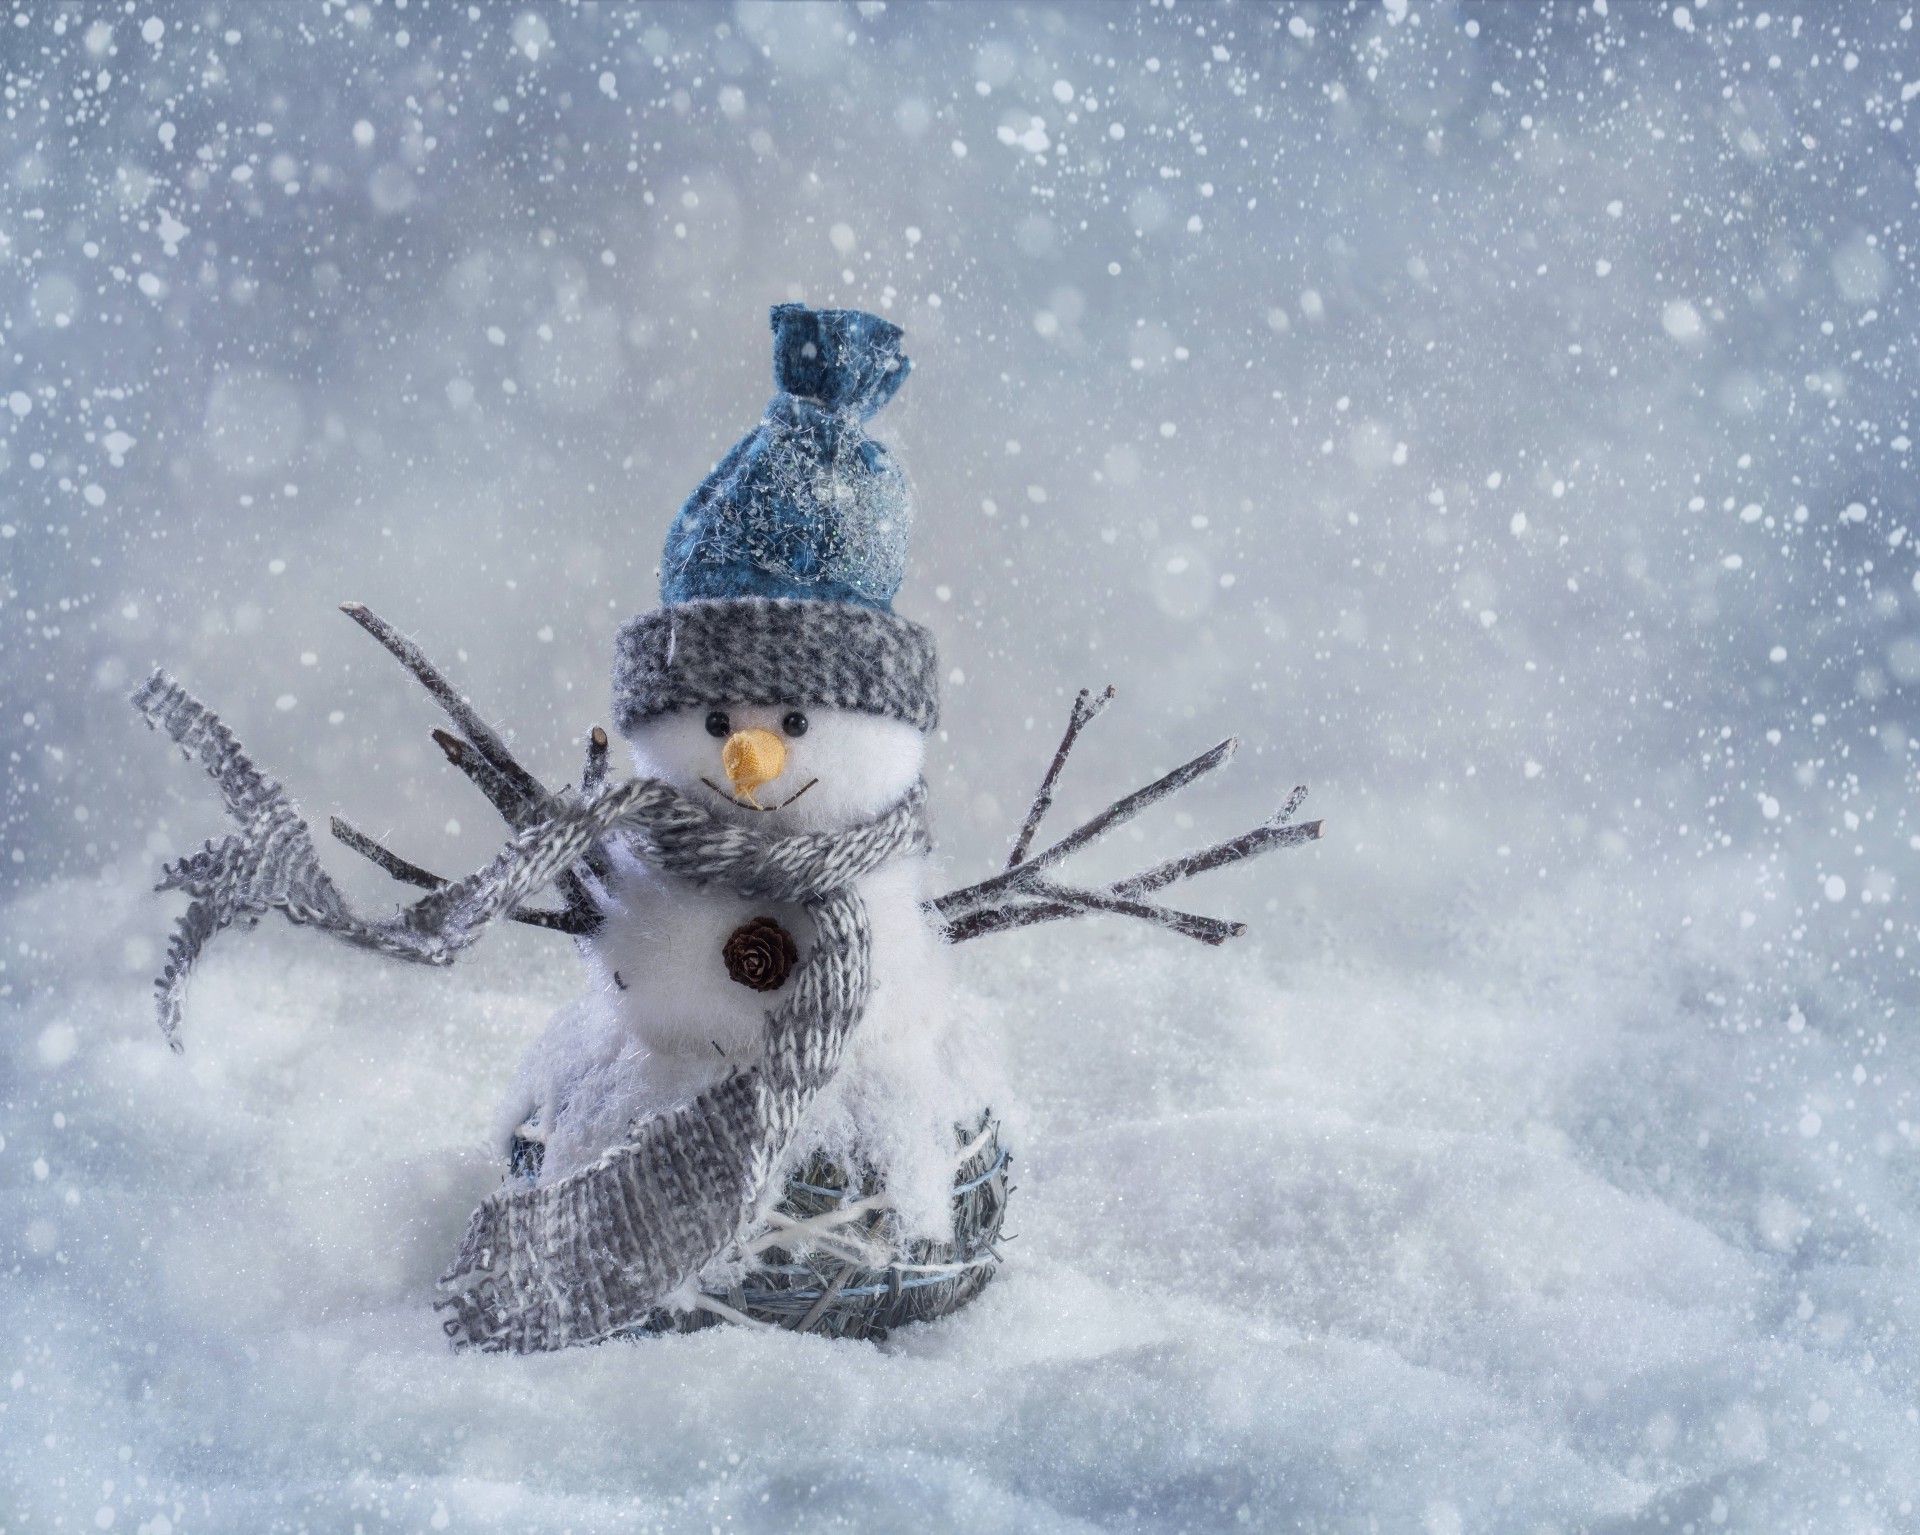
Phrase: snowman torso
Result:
[663,1019]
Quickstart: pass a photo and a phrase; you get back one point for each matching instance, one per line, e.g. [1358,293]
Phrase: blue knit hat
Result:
[805,505]
[778,579]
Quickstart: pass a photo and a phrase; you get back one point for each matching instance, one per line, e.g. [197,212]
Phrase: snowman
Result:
[776,688]
[765,1107]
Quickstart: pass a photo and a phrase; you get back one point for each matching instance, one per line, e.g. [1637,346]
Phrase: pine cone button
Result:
[761,954]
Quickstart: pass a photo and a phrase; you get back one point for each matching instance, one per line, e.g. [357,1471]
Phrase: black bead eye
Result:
[795,724]
[718,725]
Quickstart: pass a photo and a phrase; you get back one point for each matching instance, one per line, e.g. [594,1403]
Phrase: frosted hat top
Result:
[778,578]
[806,504]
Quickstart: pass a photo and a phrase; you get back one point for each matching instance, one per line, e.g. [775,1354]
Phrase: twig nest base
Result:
[830,1262]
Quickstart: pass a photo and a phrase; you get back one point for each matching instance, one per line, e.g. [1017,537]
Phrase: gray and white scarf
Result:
[594,1253]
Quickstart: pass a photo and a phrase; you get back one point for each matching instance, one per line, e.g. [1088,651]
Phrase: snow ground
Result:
[1500,416]
[1299,1242]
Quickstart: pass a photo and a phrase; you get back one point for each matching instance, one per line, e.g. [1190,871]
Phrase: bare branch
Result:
[1085,708]
[1126,809]
[1114,815]
[1294,801]
[500,793]
[1249,845]
[569,921]
[1077,903]
[1019,897]
[593,778]
[521,799]
[374,852]
[529,802]
[583,910]
[1209,930]
[1001,919]
[595,773]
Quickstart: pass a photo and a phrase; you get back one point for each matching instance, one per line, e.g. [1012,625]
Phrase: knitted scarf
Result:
[592,1254]
[578,1260]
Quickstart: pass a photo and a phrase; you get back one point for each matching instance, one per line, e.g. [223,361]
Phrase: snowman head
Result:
[775,684]
[801,716]
[784,768]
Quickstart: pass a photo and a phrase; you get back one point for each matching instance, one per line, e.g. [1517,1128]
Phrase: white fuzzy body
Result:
[661,1020]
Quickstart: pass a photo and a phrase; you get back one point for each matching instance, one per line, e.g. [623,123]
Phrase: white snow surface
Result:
[1499,417]
[1295,1235]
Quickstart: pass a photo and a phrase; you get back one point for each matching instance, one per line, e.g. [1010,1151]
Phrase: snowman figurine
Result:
[776,688]
[765,1107]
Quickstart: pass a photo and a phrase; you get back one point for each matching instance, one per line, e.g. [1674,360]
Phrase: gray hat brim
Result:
[774,650]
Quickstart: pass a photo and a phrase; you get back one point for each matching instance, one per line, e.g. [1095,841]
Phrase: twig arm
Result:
[1126,809]
[1114,815]
[522,799]
[374,852]
[1209,930]
[1248,845]
[1068,902]
[1086,706]
[595,772]
[1000,919]
[1020,896]
[567,921]
[583,911]
[488,779]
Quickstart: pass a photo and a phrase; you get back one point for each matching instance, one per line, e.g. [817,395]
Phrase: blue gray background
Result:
[1499,416]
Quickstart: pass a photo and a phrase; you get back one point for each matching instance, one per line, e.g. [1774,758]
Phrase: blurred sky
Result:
[1492,413]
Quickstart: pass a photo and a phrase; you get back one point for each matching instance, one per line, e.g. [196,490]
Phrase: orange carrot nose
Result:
[751,758]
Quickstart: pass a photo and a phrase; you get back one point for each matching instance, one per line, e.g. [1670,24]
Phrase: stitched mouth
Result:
[734,799]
